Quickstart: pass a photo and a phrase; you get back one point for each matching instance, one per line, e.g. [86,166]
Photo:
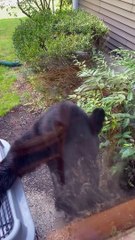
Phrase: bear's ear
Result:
[96,120]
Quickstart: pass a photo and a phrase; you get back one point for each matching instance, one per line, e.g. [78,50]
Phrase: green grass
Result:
[8,97]
[7,27]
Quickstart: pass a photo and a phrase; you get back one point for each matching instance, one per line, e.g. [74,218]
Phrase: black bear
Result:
[66,139]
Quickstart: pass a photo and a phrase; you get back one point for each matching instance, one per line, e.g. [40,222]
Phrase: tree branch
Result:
[38,6]
[42,4]
[61,3]
[23,11]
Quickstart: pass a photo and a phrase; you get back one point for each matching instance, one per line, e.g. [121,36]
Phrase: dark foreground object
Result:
[65,138]
[6,218]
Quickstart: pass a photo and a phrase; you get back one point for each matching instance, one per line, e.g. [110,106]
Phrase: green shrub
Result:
[115,92]
[57,35]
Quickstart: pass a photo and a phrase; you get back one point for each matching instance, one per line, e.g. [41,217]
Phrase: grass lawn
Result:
[8,98]
[7,27]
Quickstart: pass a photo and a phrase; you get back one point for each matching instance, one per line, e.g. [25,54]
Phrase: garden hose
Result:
[10,64]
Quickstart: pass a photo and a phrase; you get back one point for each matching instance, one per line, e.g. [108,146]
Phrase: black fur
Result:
[66,138]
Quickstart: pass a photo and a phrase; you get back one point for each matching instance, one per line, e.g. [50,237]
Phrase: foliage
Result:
[28,7]
[58,35]
[114,91]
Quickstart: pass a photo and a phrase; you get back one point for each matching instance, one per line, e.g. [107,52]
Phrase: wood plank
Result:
[118,18]
[98,226]
[128,1]
[110,46]
[91,6]
[121,45]
[117,43]
[119,38]
[121,33]
[123,5]
[133,9]
[89,10]
[118,11]
[122,28]
[95,2]
[119,25]
[107,13]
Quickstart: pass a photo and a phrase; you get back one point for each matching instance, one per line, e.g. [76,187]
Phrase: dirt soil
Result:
[57,84]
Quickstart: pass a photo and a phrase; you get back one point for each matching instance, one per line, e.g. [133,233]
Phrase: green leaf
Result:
[127,134]
[125,122]
[128,153]
[130,96]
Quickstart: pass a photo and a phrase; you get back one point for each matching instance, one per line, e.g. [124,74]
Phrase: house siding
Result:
[119,16]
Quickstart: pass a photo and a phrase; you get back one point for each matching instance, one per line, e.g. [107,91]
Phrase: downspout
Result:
[75,4]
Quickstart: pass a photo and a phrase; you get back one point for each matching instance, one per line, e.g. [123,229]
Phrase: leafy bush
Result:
[57,35]
[115,92]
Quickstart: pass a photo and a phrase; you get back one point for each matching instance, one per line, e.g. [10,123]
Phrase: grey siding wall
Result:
[119,15]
